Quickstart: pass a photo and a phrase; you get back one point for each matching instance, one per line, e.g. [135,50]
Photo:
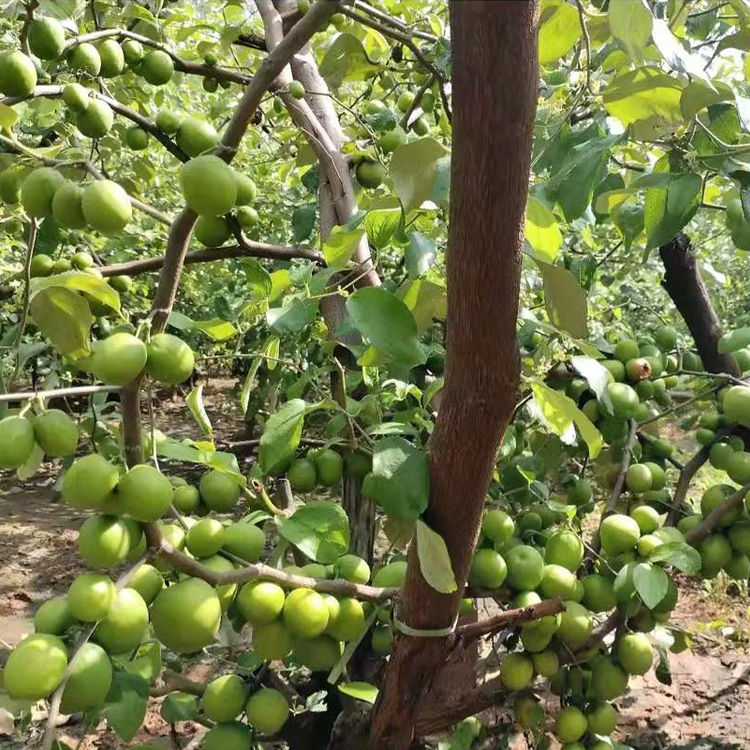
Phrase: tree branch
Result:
[714,518]
[627,455]
[509,619]
[80,390]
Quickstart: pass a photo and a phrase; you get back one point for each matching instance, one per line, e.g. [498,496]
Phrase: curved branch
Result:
[212,254]
[509,619]
[81,390]
[53,92]
[714,518]
[180,64]
[254,571]
[627,455]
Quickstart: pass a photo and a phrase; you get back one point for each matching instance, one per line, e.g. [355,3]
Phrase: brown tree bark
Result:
[495,77]
[683,283]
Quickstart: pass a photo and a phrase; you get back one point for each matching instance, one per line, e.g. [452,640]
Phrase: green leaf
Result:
[146,663]
[560,414]
[216,329]
[698,95]
[190,453]
[646,99]
[362,691]
[386,323]
[31,464]
[293,315]
[179,706]
[346,60]
[426,300]
[247,386]
[8,117]
[281,435]
[678,554]
[303,222]
[341,245]
[542,231]
[77,281]
[126,704]
[63,317]
[414,171]
[194,402]
[381,224]
[434,560]
[400,479]
[320,529]
[630,24]
[559,30]
[565,300]
[651,583]
[420,254]
[668,210]
[675,55]
[596,375]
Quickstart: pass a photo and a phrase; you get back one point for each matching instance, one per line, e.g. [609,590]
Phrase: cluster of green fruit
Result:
[101,205]
[46,37]
[325,467]
[53,431]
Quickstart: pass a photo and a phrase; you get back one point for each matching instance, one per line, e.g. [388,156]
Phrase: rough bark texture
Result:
[492,129]
[683,283]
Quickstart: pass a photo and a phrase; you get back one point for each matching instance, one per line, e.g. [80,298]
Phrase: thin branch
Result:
[597,637]
[369,10]
[714,518]
[33,229]
[586,42]
[627,454]
[79,390]
[254,571]
[683,481]
[417,100]
[509,619]
[180,64]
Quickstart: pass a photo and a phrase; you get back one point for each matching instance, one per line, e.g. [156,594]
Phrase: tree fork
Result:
[490,165]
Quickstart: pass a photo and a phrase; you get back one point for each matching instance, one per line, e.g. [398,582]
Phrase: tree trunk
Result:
[495,78]
[684,284]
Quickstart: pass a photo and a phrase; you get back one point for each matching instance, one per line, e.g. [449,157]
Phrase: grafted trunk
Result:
[495,76]
[683,283]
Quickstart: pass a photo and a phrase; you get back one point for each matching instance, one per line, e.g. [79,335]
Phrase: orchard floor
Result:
[707,706]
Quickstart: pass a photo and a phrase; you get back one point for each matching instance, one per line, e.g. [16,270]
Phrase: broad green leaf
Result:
[675,55]
[566,302]
[420,254]
[216,329]
[178,706]
[303,222]
[8,117]
[559,30]
[400,479]
[426,300]
[414,171]
[281,435]
[341,246]
[386,323]
[596,375]
[542,230]
[560,413]
[77,281]
[398,533]
[381,224]
[63,317]
[194,402]
[31,464]
[259,278]
[193,453]
[630,24]
[147,663]
[668,210]
[651,583]
[293,315]
[320,529]
[434,560]
[698,95]
[126,703]
[362,691]
[647,100]
[280,282]
[346,60]
[678,554]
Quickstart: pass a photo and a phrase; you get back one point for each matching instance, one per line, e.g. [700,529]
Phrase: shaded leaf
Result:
[434,560]
[320,529]
[414,171]
[64,318]
[281,435]
[565,300]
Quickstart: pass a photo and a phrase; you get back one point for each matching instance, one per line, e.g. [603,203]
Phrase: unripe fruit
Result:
[169,359]
[381,640]
[46,38]
[719,455]
[35,667]
[391,575]
[297,90]
[16,441]
[91,596]
[157,67]
[302,475]
[624,400]
[136,138]
[736,405]
[17,74]
[579,493]
[317,654]
[329,467]
[488,569]
[404,101]
[224,698]
[89,481]
[272,641]
[666,338]
[112,58]
[528,713]
[715,552]
[147,581]
[618,533]
[516,671]
[96,120]
[38,191]
[392,139]
[212,231]
[546,663]
[525,568]
[370,174]
[626,349]
[305,613]
[497,526]
[107,207]
[715,496]
[352,568]
[247,216]
[186,616]
[124,627]
[168,121]
[205,538]
[85,58]
[208,185]
[602,718]
[41,265]
[227,591]
[634,653]
[246,189]
[738,467]
[219,491]
[10,185]
[570,724]
[228,736]
[90,679]
[638,478]
[608,680]
[53,617]
[145,493]
[598,593]
[348,622]
[558,581]
[118,359]
[261,602]
[267,711]
[133,51]
[245,540]
[103,541]
[576,624]
[564,548]
[195,136]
